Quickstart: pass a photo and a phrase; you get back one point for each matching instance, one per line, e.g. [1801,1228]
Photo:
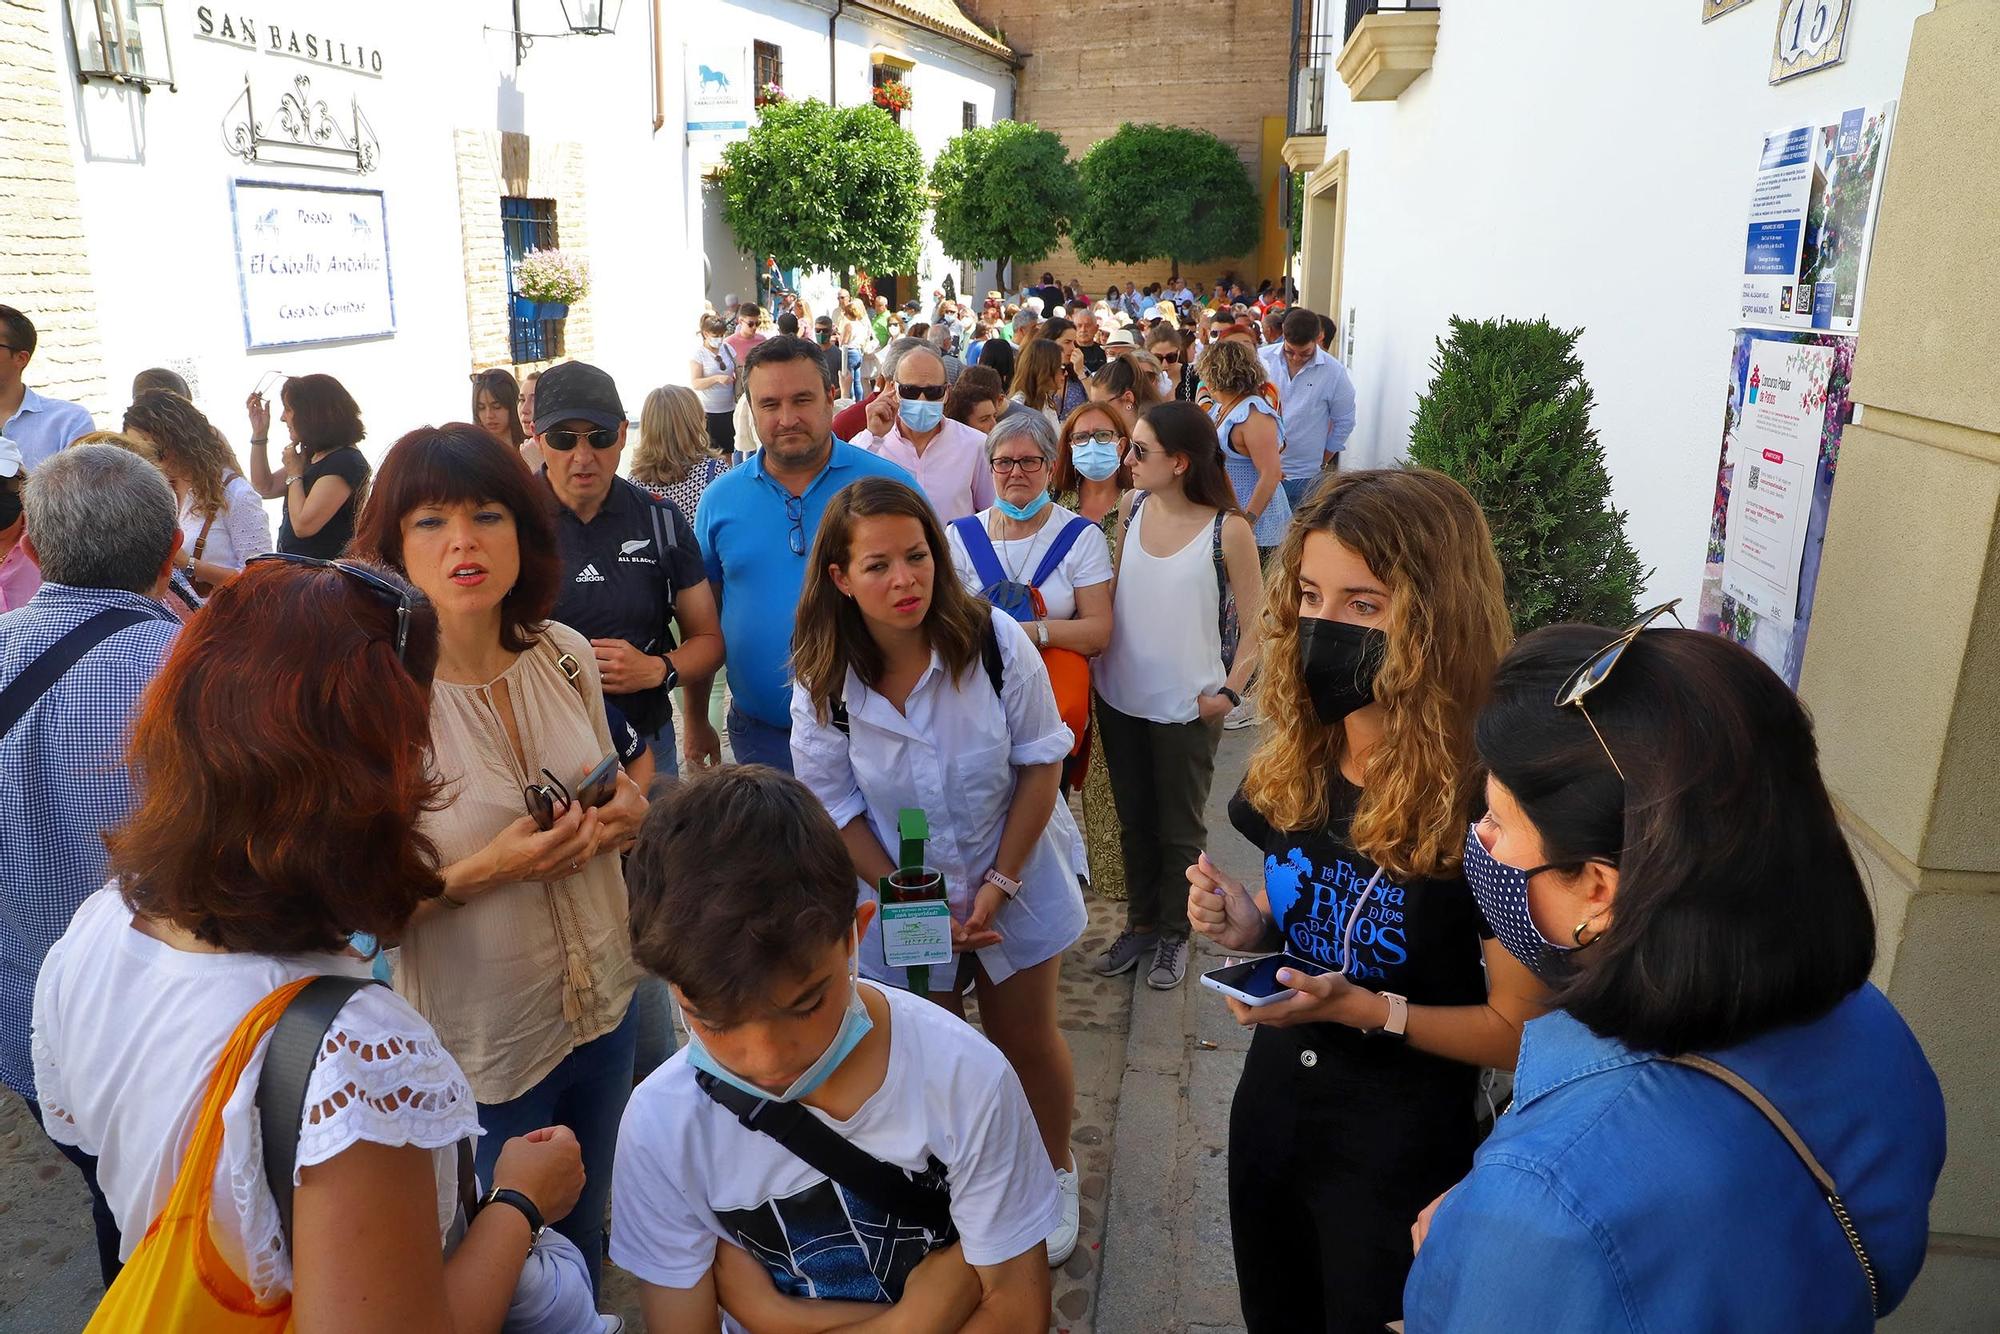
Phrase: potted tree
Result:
[548,282]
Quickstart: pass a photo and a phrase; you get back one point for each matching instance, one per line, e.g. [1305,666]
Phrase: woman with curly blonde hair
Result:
[1383,621]
[222,516]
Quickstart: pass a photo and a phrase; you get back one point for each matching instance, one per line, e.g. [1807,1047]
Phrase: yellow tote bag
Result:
[177,1282]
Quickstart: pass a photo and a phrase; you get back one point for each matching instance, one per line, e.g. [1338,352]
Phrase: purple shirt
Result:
[953,469]
[19,577]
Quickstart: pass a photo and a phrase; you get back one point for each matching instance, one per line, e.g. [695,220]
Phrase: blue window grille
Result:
[528,224]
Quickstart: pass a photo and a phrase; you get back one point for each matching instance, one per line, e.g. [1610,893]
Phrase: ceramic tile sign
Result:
[1812,35]
[312,263]
[1812,218]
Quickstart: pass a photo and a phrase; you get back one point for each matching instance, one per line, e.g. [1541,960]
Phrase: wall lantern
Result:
[124,41]
[581,18]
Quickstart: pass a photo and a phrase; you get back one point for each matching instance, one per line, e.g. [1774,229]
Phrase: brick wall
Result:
[492,164]
[1218,65]
[44,258]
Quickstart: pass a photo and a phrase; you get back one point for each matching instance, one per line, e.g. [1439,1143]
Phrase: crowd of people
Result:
[361,871]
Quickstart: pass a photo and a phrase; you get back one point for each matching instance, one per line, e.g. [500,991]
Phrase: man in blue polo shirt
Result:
[41,426]
[1318,400]
[756,525]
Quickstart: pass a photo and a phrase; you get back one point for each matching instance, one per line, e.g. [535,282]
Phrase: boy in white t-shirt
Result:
[743,900]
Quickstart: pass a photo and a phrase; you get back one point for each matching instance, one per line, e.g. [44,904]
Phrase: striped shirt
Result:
[63,782]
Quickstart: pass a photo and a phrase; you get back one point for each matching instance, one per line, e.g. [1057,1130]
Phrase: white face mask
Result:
[1166,385]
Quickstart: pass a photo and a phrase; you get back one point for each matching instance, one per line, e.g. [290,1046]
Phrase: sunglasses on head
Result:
[402,599]
[597,438]
[933,392]
[1596,669]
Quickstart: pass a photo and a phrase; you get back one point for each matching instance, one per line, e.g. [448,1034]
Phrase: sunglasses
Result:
[402,599]
[600,438]
[1595,670]
[1169,358]
[1027,467]
[934,392]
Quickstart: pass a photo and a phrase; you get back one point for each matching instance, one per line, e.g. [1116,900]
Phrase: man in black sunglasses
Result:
[631,569]
[909,427]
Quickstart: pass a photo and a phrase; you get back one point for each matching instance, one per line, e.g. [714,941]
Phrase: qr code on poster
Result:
[1755,473]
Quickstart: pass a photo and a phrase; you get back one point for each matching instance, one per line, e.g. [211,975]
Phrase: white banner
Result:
[719,95]
[312,263]
[1777,456]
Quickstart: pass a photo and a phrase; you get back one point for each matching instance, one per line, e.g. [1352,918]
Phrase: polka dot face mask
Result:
[1502,894]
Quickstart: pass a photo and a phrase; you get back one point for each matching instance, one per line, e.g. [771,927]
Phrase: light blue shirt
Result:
[744,529]
[43,427]
[1318,404]
[1623,1193]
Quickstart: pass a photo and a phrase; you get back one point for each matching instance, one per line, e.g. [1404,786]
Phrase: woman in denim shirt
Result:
[1662,849]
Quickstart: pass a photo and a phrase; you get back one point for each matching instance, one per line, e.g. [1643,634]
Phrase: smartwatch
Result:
[1008,886]
[1042,633]
[1235,700]
[673,676]
[1399,1015]
[501,1195]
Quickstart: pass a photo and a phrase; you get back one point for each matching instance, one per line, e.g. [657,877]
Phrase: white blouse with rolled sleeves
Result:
[952,753]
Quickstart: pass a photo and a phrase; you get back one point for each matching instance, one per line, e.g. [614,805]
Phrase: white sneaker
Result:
[1243,715]
[1063,1240]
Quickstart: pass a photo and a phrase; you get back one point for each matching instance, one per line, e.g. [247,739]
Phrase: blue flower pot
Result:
[527,309]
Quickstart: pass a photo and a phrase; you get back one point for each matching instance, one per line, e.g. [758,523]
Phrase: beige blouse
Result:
[526,972]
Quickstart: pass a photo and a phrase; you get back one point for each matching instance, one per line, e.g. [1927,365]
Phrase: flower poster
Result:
[1784,409]
[1812,219]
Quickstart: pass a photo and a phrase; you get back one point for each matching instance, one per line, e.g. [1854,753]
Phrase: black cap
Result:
[577,391]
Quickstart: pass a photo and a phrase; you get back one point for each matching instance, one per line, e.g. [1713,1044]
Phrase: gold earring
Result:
[1577,935]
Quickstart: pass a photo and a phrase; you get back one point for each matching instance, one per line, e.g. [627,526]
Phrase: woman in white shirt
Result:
[222,517]
[912,693]
[1165,681]
[712,374]
[245,868]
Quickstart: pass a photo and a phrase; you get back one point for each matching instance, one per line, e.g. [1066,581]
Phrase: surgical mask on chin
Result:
[854,1026]
[1338,663]
[1022,513]
[1095,461]
[1501,891]
[921,414]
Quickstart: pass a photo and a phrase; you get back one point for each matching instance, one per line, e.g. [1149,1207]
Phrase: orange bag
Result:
[177,1282]
[1069,677]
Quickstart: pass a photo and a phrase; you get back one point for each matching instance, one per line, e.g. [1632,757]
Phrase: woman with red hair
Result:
[282,763]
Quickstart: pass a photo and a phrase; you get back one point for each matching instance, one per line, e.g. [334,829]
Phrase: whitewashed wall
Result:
[1590,162]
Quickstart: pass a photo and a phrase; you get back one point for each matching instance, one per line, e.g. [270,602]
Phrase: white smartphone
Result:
[1255,981]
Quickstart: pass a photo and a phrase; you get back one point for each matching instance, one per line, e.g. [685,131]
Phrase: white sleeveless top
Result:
[127,1032]
[1165,651]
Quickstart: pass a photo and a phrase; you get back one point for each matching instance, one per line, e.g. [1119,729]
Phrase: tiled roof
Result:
[944,16]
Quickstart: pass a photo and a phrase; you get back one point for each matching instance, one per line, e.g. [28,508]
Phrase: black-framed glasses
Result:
[795,510]
[546,800]
[1027,467]
[1596,669]
[933,392]
[1100,437]
[397,596]
[597,438]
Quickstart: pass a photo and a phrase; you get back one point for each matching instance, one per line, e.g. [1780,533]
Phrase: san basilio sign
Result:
[238,28]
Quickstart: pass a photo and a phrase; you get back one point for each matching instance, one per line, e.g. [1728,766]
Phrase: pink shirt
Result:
[19,577]
[953,469]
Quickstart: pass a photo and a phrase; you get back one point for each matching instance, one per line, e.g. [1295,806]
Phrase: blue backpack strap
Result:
[1060,548]
[979,550]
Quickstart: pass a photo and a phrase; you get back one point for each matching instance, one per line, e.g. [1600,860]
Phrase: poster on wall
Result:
[1812,34]
[718,87]
[1715,9]
[1784,409]
[1812,219]
[312,263]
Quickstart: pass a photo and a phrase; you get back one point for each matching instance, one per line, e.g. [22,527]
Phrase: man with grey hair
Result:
[852,420]
[941,340]
[907,425]
[103,525]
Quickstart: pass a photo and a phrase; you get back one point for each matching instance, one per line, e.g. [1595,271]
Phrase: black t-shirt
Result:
[350,466]
[1417,938]
[616,585]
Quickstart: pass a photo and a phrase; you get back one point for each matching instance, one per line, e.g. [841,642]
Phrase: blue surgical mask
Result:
[1093,460]
[921,414]
[1023,512]
[854,1026]
[1502,894]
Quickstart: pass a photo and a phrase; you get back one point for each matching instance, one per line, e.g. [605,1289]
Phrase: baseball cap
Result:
[577,391]
[1121,338]
[11,462]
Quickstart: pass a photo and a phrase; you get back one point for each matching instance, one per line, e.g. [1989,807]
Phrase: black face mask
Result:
[10,507]
[1339,662]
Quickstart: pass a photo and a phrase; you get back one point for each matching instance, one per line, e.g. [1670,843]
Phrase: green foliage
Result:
[1005,191]
[1508,414]
[1153,192]
[1296,222]
[826,188]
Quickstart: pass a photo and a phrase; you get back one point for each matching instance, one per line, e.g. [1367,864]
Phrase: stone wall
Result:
[1218,65]
[492,164]
[45,268]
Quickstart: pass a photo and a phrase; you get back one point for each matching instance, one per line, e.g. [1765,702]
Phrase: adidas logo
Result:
[589,575]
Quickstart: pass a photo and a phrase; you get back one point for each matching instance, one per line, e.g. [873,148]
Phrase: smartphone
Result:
[1255,981]
[600,784]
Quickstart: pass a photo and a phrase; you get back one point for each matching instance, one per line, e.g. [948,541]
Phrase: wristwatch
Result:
[502,1195]
[1399,1015]
[1042,633]
[1235,700]
[673,676]
[1008,886]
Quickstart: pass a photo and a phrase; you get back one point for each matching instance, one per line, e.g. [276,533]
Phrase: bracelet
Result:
[260,439]
[445,894]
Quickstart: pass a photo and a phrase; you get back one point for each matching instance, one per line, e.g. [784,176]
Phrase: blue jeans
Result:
[755,741]
[101,1219]
[854,372]
[665,748]
[586,1092]
[1295,489]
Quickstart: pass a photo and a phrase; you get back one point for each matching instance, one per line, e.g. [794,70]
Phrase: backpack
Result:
[1021,601]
